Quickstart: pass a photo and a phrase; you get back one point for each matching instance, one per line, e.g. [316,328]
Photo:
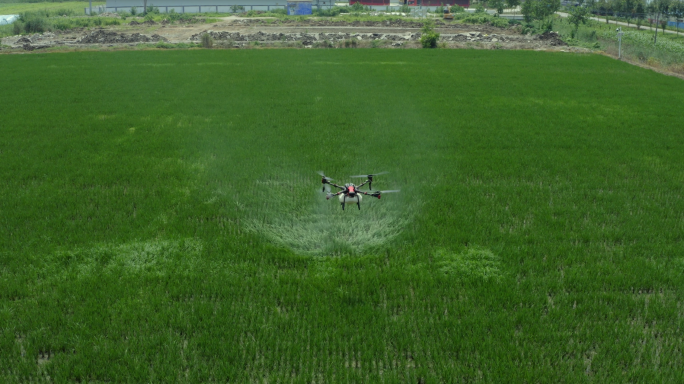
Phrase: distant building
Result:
[414,3]
[195,6]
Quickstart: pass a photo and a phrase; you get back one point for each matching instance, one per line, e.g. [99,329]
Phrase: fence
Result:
[96,10]
[196,8]
[420,10]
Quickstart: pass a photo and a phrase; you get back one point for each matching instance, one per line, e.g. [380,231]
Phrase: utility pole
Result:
[619,36]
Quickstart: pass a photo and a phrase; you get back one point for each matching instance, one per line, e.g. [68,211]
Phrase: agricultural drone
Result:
[351,193]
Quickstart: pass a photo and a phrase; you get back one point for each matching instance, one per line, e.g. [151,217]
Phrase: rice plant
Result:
[171,227]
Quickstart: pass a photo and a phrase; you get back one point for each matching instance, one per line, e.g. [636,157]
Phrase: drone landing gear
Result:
[358,204]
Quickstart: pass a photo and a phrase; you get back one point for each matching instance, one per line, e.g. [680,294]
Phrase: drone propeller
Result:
[324,176]
[325,180]
[370,178]
[370,175]
[379,193]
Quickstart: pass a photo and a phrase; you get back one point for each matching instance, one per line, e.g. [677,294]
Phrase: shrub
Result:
[149,17]
[477,18]
[357,7]
[331,12]
[351,43]
[455,9]
[281,11]
[134,11]
[429,37]
[18,27]
[37,24]
[499,22]
[405,9]
[529,28]
[237,8]
[207,41]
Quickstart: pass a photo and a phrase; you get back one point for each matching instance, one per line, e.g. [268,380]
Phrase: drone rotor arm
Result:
[364,183]
[329,195]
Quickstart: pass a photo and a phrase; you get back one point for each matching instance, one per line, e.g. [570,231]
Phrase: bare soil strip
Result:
[237,33]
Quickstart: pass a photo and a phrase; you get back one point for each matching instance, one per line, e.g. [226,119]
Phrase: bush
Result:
[529,28]
[18,27]
[455,9]
[351,43]
[207,41]
[281,11]
[405,9]
[499,22]
[237,8]
[331,12]
[37,24]
[134,11]
[429,37]
[357,7]
[477,18]
[152,9]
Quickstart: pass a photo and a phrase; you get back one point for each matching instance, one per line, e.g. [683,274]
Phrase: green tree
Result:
[512,4]
[605,8]
[640,13]
[578,15]
[677,11]
[528,10]
[429,37]
[629,7]
[660,8]
[497,4]
[544,10]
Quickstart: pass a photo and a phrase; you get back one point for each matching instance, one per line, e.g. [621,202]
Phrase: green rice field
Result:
[161,219]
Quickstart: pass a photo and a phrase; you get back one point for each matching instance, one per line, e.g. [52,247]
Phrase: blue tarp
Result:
[298,7]
[8,19]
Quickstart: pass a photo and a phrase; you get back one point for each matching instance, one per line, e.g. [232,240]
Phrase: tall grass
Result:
[14,7]
[45,20]
[637,45]
[170,227]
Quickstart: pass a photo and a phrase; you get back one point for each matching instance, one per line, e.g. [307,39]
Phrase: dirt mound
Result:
[309,38]
[552,38]
[147,22]
[342,23]
[107,37]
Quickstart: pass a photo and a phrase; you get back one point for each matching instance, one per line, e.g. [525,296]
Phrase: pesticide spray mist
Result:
[294,213]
